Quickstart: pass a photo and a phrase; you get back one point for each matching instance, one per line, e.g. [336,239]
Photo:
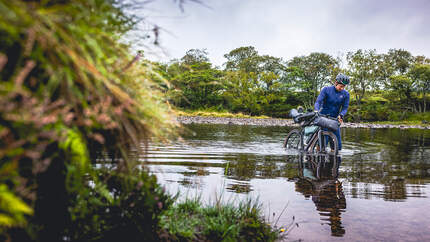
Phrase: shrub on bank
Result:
[69,91]
[190,221]
[131,211]
[68,84]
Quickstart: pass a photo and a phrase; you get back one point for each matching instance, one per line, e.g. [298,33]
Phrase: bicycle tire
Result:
[314,146]
[293,140]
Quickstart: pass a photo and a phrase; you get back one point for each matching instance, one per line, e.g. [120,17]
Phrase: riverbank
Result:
[284,122]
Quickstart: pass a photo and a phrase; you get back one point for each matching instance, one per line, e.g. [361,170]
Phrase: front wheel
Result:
[329,144]
[293,140]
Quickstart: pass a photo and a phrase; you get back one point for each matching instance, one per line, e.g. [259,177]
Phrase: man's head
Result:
[341,81]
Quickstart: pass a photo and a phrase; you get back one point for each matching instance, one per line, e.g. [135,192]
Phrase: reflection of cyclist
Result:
[334,101]
[318,179]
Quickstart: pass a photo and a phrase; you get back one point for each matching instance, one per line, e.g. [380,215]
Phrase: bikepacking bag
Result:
[331,124]
[294,114]
[308,132]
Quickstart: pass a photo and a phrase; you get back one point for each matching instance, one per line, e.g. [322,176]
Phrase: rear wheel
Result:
[293,140]
[329,144]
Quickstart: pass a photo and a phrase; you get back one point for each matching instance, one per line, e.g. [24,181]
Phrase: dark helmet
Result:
[342,79]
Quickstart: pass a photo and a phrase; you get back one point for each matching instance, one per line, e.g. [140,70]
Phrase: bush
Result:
[68,82]
[189,221]
[132,213]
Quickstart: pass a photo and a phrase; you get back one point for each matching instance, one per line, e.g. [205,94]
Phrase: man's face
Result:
[339,87]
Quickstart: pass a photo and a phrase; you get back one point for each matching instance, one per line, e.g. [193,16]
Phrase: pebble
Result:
[282,122]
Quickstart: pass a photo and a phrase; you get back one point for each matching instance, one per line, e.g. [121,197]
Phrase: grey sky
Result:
[286,28]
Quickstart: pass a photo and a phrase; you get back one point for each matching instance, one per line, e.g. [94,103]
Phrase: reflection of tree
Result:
[239,187]
[243,167]
[318,179]
[394,158]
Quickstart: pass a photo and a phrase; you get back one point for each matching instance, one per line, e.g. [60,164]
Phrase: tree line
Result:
[384,86]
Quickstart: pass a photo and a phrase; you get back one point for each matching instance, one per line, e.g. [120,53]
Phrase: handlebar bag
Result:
[294,113]
[328,123]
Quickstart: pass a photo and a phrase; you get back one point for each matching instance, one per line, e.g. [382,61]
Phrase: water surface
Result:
[376,190]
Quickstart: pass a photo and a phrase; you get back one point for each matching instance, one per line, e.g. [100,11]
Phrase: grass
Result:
[217,114]
[190,220]
[422,119]
[404,122]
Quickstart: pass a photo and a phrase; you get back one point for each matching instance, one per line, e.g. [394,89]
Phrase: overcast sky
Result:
[287,28]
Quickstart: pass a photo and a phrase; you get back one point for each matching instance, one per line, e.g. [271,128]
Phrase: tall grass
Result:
[190,220]
[70,87]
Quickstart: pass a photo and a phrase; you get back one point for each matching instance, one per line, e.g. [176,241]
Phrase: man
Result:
[334,101]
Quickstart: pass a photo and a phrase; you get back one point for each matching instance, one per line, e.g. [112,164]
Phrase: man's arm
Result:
[320,100]
[344,107]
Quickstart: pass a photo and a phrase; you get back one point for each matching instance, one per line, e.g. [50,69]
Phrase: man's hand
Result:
[340,119]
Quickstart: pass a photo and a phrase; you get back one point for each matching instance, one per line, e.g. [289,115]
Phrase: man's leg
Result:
[337,133]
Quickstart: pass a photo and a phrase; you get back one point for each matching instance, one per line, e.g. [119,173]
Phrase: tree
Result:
[243,58]
[195,56]
[362,67]
[395,62]
[195,84]
[403,88]
[400,60]
[263,77]
[420,74]
[420,59]
[316,70]
[242,92]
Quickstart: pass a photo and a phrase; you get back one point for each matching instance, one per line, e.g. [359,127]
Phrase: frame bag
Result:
[331,124]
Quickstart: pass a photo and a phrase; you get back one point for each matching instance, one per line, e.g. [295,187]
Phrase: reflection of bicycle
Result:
[314,134]
[318,180]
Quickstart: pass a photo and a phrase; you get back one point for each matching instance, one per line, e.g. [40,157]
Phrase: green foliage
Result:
[315,71]
[132,214]
[265,85]
[70,87]
[195,84]
[363,71]
[12,209]
[419,117]
[189,221]
[242,59]
[243,93]
[370,111]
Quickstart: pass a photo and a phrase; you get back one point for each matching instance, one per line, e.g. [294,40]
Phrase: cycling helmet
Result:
[342,79]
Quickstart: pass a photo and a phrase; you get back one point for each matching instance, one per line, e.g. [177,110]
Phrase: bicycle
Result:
[314,133]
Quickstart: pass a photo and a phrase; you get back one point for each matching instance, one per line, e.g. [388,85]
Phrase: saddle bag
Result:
[328,123]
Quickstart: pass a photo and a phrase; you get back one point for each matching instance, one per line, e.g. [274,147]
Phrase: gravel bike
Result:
[314,134]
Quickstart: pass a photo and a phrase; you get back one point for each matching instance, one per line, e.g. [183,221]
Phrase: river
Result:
[377,189]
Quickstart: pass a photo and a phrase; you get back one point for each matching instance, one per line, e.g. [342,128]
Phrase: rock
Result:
[280,122]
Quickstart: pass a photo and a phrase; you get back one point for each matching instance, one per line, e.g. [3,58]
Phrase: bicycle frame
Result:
[315,135]
[317,140]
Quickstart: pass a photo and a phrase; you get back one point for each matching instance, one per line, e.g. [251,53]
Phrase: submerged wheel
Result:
[331,146]
[293,140]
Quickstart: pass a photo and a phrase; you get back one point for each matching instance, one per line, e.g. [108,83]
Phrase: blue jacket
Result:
[332,102]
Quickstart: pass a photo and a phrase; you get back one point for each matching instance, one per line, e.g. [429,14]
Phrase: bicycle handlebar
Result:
[309,117]
[306,116]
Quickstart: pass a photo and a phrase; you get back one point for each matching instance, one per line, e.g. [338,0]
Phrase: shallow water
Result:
[376,190]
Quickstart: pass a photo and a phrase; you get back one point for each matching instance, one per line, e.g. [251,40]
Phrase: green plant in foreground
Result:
[12,209]
[71,92]
[70,88]
[191,221]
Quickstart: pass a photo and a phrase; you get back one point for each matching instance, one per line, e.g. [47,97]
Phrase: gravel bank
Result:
[282,122]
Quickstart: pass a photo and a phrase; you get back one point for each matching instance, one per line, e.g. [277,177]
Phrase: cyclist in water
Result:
[334,101]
